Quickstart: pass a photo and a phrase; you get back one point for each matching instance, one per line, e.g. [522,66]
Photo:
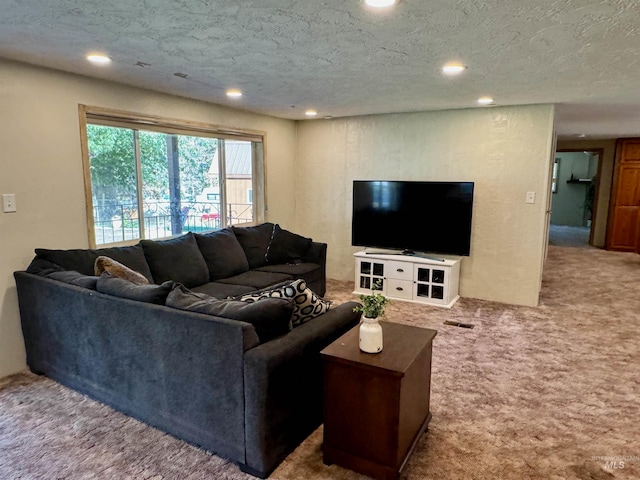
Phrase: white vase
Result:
[370,335]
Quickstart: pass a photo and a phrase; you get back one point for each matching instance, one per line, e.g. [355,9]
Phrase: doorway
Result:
[574,191]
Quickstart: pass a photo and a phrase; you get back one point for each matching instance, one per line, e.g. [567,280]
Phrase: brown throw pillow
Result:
[106,264]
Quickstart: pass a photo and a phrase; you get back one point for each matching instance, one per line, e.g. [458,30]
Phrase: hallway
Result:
[567,236]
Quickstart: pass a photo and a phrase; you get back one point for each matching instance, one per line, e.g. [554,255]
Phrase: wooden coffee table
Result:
[376,406]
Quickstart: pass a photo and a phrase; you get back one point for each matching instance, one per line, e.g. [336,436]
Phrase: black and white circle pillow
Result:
[308,305]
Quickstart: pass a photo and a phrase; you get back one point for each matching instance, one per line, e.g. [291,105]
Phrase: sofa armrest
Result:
[284,387]
[317,254]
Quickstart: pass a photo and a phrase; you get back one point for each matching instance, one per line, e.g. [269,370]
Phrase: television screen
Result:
[429,217]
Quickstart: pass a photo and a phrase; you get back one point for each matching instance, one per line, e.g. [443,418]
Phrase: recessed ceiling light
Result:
[98,59]
[380,3]
[453,69]
[485,101]
[234,93]
[311,113]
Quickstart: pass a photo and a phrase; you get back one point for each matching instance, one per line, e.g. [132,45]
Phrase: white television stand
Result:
[418,278]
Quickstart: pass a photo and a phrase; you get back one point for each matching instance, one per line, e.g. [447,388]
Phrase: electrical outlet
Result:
[531,197]
[8,202]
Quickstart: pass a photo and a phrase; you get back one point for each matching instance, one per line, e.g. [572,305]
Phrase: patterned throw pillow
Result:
[307,304]
[117,269]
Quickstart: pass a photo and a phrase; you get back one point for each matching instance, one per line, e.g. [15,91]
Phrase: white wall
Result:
[505,151]
[40,161]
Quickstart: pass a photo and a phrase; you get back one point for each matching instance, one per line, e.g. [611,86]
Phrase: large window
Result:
[155,178]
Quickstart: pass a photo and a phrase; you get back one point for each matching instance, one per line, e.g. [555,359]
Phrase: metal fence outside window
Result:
[119,222]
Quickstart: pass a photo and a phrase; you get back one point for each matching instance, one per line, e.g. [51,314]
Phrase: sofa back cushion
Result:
[286,247]
[223,253]
[83,260]
[270,317]
[255,242]
[119,287]
[178,259]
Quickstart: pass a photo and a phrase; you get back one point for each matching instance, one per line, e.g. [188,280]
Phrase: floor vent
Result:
[459,324]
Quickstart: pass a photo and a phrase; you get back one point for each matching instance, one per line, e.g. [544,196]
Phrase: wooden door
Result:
[623,232]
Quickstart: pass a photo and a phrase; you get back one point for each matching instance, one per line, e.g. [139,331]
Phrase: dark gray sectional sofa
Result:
[233,377]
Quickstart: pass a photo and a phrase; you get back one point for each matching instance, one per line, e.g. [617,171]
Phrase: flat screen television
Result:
[413,216]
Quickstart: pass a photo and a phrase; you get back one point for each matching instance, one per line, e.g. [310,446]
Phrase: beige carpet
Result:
[551,392]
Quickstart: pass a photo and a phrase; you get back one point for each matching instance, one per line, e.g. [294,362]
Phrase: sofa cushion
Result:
[119,287]
[222,290]
[270,319]
[178,259]
[312,273]
[83,260]
[223,253]
[256,279]
[296,270]
[75,278]
[117,269]
[307,304]
[255,242]
[286,246]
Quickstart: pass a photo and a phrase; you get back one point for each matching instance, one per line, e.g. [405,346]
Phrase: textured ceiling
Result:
[343,59]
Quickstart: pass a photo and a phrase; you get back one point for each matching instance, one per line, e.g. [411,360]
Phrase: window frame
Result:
[124,119]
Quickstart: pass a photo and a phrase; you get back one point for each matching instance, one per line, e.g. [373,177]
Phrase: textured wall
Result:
[505,151]
[41,163]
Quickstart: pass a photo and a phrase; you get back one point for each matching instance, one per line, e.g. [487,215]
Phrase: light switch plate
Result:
[531,197]
[8,202]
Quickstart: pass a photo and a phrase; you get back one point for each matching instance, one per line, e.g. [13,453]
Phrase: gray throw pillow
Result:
[223,253]
[40,266]
[287,247]
[119,287]
[178,259]
[255,242]
[75,278]
[271,318]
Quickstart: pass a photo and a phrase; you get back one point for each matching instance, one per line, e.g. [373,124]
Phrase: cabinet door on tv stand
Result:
[370,273]
[431,284]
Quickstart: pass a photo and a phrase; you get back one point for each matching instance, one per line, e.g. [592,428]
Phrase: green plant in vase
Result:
[373,306]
